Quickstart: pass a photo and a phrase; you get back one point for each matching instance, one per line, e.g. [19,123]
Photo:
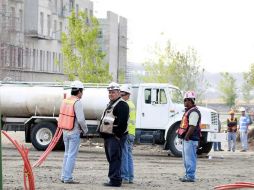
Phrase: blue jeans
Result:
[244,139]
[127,160]
[231,138]
[71,144]
[217,146]
[190,158]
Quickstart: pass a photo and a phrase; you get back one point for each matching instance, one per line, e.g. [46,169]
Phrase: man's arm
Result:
[78,107]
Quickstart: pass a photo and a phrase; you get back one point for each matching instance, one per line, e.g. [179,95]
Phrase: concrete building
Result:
[113,41]
[30,39]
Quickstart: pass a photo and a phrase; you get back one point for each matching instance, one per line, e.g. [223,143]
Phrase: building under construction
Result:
[30,39]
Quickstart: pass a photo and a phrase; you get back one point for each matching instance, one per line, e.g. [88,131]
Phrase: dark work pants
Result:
[113,152]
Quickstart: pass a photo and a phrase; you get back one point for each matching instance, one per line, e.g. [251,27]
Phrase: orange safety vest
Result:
[67,113]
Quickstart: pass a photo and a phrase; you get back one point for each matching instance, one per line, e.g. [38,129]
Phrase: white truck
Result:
[34,108]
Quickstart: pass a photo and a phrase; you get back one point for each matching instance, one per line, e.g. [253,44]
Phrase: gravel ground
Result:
[153,168]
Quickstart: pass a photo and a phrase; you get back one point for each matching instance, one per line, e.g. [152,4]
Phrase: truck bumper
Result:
[216,137]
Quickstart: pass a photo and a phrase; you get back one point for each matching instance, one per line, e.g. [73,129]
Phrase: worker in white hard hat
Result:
[127,170]
[72,121]
[244,122]
[113,128]
[190,133]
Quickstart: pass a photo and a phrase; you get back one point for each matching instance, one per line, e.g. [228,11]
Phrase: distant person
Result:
[72,121]
[243,128]
[113,128]
[127,169]
[232,129]
[217,145]
[190,133]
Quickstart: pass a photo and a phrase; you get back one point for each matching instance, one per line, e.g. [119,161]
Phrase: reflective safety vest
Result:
[108,119]
[132,118]
[67,114]
[232,124]
[184,126]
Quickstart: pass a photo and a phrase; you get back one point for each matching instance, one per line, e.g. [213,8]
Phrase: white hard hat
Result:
[77,84]
[242,109]
[125,88]
[190,94]
[113,86]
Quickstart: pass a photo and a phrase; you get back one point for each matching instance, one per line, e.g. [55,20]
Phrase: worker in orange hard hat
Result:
[232,128]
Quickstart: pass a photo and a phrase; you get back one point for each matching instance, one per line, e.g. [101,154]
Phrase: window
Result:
[77,9]
[49,24]
[48,64]
[20,20]
[161,97]
[41,60]
[148,93]
[54,33]
[41,22]
[13,16]
[175,95]
[20,57]
[34,60]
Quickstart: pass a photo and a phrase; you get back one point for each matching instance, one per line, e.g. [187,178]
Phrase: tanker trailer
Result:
[159,110]
[34,109]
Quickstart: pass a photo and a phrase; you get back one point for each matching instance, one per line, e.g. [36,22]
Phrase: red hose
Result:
[236,185]
[28,172]
[51,146]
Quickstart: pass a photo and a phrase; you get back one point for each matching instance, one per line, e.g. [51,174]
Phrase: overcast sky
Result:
[222,31]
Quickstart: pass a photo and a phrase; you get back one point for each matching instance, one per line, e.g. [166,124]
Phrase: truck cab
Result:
[159,113]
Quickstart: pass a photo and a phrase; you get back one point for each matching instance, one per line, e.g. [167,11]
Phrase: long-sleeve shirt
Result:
[244,123]
[80,122]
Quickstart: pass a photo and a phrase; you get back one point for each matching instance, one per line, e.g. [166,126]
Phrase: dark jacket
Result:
[121,112]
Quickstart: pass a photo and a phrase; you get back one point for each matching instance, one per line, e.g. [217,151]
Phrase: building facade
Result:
[30,39]
[113,41]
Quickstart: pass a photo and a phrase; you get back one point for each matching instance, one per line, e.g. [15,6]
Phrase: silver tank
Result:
[27,101]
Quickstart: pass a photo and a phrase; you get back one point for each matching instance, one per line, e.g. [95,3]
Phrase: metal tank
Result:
[27,101]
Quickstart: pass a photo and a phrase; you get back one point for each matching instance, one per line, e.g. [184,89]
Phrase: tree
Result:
[227,86]
[249,76]
[82,55]
[246,88]
[181,69]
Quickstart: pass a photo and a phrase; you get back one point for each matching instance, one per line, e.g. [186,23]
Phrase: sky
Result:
[221,31]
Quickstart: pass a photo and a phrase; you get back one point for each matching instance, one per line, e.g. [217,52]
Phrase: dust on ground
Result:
[154,169]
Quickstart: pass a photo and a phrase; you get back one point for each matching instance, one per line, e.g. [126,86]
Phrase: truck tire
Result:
[42,134]
[204,148]
[173,143]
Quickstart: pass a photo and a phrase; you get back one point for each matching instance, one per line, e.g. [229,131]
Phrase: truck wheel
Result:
[42,134]
[204,148]
[173,142]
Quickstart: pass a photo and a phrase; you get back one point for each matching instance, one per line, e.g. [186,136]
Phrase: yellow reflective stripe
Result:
[68,101]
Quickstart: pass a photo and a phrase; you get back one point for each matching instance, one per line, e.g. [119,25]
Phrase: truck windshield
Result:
[175,95]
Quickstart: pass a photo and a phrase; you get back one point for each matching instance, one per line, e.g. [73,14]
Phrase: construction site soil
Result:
[154,169]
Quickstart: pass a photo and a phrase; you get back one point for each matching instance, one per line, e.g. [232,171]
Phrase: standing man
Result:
[243,128]
[72,121]
[127,160]
[190,133]
[232,128]
[113,128]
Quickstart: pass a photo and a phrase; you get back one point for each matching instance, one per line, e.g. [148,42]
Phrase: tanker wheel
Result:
[174,144]
[42,134]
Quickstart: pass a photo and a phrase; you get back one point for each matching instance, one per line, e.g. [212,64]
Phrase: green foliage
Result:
[227,87]
[181,69]
[121,77]
[83,58]
[246,88]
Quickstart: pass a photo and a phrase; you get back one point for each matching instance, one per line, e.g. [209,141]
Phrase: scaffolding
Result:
[11,40]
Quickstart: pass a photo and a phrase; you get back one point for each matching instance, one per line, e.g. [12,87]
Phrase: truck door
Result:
[154,109]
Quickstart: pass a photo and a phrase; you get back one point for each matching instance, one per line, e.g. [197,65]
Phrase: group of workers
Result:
[232,127]
[117,128]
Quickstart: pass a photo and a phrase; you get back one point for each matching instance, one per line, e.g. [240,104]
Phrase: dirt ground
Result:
[153,168]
